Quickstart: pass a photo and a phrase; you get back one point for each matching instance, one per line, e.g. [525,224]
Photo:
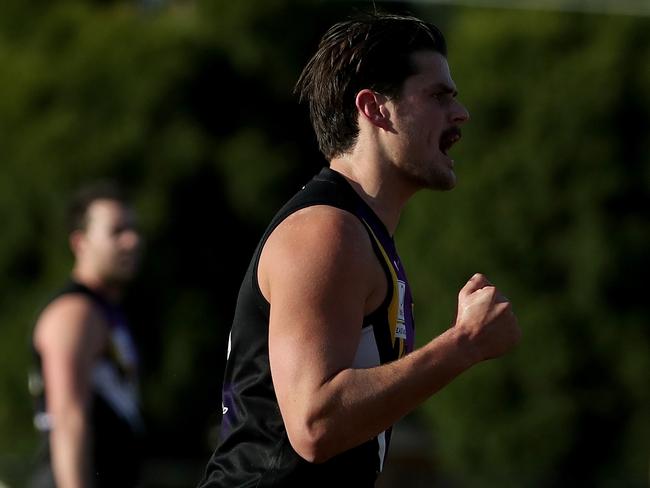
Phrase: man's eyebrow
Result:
[444,88]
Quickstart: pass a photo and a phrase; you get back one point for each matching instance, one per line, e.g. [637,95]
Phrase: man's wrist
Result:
[466,349]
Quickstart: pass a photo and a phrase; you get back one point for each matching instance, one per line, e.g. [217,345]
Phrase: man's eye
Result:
[444,97]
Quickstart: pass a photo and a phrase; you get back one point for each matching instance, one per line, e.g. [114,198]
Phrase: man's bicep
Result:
[312,337]
[69,338]
[318,284]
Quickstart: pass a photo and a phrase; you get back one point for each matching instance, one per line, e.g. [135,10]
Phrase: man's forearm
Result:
[357,404]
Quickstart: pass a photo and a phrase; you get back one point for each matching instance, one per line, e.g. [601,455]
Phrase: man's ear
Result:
[76,241]
[372,107]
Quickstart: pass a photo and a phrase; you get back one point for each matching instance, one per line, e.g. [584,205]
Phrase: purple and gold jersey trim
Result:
[400,308]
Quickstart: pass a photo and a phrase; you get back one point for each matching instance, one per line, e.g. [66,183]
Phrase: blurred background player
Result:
[86,381]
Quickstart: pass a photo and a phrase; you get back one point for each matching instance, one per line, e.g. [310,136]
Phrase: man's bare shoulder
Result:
[70,321]
[320,245]
[325,221]
[320,233]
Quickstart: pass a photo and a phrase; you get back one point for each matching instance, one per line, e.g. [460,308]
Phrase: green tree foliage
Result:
[189,105]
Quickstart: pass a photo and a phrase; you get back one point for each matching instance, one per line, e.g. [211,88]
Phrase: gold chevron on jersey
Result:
[396,306]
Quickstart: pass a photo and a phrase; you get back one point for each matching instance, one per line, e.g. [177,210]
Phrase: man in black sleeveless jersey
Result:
[85,384]
[321,358]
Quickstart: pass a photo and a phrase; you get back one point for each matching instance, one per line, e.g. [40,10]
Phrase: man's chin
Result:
[450,183]
[436,176]
[122,277]
[443,181]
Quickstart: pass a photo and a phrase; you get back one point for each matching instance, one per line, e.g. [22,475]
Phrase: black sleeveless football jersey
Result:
[254,450]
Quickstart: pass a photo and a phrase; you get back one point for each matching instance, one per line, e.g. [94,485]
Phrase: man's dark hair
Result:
[370,51]
[84,198]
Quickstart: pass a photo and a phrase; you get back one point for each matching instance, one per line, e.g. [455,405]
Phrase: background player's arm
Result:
[321,276]
[70,335]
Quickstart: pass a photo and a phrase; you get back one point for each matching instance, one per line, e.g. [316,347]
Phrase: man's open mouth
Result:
[448,138]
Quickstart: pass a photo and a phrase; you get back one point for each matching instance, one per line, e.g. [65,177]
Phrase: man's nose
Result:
[460,115]
[131,239]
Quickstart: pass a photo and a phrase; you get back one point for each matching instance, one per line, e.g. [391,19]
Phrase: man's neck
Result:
[110,292]
[382,191]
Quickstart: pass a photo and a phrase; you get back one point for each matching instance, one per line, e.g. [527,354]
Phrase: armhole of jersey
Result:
[98,303]
[263,303]
[387,272]
[105,321]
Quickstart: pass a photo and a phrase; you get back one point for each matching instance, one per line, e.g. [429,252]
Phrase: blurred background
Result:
[188,104]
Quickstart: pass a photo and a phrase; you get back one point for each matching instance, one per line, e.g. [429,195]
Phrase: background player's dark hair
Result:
[370,51]
[99,190]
